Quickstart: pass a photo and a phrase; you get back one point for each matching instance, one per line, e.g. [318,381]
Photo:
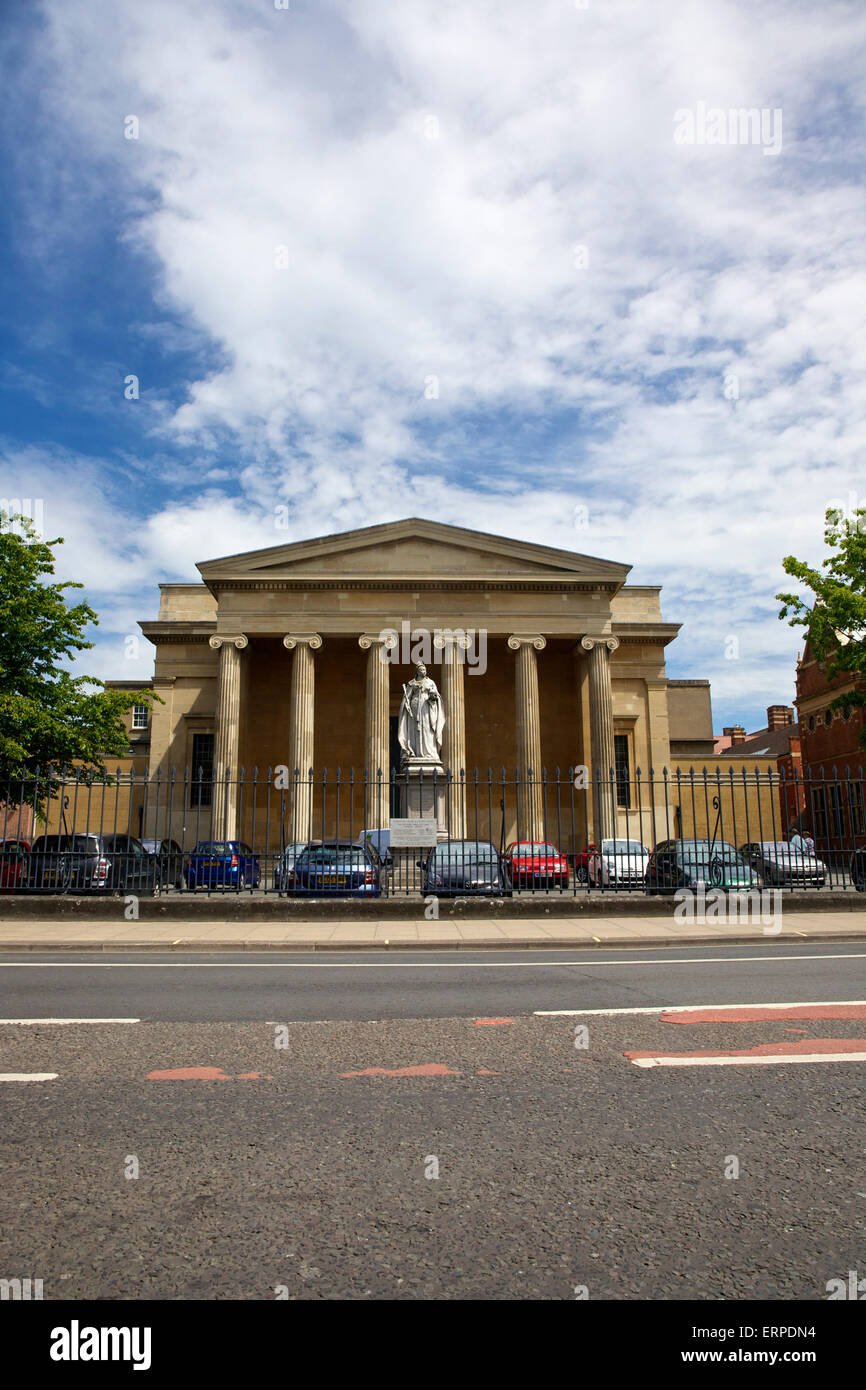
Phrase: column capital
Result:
[455,637]
[386,638]
[588,642]
[302,639]
[219,639]
[524,639]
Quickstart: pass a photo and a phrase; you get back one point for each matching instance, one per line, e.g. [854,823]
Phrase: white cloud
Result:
[454,257]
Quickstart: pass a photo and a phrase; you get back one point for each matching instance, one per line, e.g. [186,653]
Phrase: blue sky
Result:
[643,350]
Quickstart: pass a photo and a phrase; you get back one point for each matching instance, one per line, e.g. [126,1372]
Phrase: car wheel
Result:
[242,883]
[581,873]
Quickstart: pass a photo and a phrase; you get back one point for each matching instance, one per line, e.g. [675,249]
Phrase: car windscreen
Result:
[535,849]
[332,857]
[213,847]
[622,847]
[462,850]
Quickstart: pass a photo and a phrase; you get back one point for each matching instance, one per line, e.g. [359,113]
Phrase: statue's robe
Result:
[421,724]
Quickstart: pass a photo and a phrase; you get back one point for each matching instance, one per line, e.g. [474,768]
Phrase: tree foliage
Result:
[49,718]
[835,621]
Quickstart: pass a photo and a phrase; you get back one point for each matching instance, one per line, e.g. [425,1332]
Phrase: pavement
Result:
[416,932]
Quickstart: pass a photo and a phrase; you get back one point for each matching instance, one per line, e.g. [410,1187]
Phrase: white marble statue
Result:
[422,718]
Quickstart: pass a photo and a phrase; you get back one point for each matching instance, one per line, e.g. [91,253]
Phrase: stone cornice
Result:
[450,584]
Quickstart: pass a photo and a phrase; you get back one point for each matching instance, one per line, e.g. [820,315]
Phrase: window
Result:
[828,717]
[201,772]
[811,723]
[819,812]
[139,716]
[621,765]
[837,825]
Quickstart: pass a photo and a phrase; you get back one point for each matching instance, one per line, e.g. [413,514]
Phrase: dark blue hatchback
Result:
[335,869]
[222,864]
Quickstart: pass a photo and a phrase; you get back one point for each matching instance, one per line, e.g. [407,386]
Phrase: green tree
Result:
[835,622]
[48,717]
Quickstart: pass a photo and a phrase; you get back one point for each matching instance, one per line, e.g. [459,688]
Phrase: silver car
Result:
[782,865]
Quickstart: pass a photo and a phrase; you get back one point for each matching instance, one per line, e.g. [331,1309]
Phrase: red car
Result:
[13,864]
[535,865]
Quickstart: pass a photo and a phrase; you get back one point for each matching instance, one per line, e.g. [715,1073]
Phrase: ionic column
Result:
[528,731]
[453,645]
[601,731]
[301,732]
[224,814]
[377,746]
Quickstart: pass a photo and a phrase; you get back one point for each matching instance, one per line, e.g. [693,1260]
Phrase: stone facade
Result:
[277,655]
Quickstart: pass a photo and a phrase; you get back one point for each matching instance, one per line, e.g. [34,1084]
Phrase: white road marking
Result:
[774,1061]
[692,1008]
[55,1021]
[413,964]
[28,1076]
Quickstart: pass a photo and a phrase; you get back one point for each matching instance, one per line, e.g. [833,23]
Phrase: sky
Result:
[271,273]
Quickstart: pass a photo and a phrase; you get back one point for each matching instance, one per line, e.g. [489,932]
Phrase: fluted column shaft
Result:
[377,745]
[452,646]
[227,741]
[302,731]
[601,731]
[528,713]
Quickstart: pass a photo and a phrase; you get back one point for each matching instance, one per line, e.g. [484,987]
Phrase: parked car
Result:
[171,861]
[14,857]
[285,862]
[782,865]
[85,863]
[581,863]
[857,870]
[335,869]
[534,865]
[222,864]
[698,864]
[619,864]
[464,867]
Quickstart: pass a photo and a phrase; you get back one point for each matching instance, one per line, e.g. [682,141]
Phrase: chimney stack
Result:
[779,716]
[736,733]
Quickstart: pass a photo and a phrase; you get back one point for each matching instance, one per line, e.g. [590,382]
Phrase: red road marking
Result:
[189,1074]
[782,1049]
[487,1022]
[485,1072]
[425,1069]
[757,1013]
[205,1074]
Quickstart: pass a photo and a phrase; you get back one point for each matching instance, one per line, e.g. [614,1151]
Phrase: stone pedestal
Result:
[422,798]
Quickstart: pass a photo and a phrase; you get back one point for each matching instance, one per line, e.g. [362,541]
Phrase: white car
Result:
[619,864]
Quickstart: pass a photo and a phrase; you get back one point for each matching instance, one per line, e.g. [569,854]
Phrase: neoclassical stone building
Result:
[545,658]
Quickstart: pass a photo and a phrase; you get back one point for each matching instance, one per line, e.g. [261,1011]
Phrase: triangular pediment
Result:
[401,550]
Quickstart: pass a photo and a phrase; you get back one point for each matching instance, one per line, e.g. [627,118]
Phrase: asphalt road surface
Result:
[433,1136]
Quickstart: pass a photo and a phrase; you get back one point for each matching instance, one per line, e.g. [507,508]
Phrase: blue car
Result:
[335,869]
[222,864]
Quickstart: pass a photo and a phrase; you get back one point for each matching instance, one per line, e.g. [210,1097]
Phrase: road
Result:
[225,987]
[413,1127]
